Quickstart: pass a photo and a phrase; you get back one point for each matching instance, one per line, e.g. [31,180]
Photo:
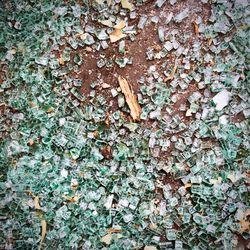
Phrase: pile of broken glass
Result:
[77,173]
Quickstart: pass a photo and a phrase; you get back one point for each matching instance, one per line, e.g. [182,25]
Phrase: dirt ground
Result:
[147,38]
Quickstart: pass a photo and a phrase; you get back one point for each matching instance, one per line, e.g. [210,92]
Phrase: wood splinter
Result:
[131,99]
[171,76]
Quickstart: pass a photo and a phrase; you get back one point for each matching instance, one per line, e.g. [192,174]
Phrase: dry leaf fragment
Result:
[117,33]
[247,213]
[44,229]
[244,226]
[32,104]
[61,61]
[84,36]
[188,185]
[234,177]
[171,76]
[107,120]
[31,142]
[189,112]
[196,28]
[71,199]
[244,26]
[12,51]
[114,230]
[212,63]
[107,239]
[36,203]
[152,226]
[106,23]
[127,5]
[105,85]
[210,40]
[29,193]
[120,25]
[245,223]
[50,110]
[150,248]
[135,109]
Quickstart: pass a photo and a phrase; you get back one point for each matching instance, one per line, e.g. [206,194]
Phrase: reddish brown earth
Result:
[146,38]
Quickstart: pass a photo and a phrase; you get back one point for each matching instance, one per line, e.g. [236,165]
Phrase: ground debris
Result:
[124,124]
[117,34]
[131,99]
